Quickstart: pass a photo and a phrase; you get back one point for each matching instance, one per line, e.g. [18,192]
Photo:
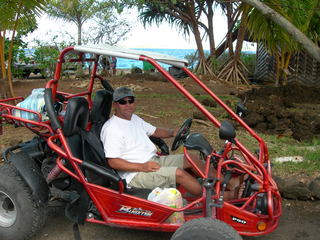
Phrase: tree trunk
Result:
[210,27]
[277,82]
[3,81]
[4,90]
[285,69]
[230,26]
[234,71]
[79,71]
[2,60]
[79,25]
[197,38]
[301,38]
[202,65]
[242,32]
[15,26]
[9,76]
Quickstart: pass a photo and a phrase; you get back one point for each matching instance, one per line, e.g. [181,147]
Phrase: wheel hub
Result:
[8,211]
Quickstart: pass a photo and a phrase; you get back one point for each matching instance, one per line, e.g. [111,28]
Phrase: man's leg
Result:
[165,177]
[233,185]
[181,176]
[193,185]
[199,163]
[188,182]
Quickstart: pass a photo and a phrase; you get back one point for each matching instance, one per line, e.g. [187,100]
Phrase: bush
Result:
[46,57]
[249,61]
[136,70]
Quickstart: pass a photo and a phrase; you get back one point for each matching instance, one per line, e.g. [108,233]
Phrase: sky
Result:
[163,36]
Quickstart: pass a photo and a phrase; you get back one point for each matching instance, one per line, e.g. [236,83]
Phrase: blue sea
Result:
[178,53]
[123,63]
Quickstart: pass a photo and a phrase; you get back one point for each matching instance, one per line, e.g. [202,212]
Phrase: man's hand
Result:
[165,133]
[150,167]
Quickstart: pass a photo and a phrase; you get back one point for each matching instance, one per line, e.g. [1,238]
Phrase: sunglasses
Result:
[124,102]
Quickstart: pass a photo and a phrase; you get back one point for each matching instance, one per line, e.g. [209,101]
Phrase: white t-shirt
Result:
[128,140]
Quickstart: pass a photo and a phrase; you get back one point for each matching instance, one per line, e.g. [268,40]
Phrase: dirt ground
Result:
[291,110]
[298,116]
[166,112]
[300,220]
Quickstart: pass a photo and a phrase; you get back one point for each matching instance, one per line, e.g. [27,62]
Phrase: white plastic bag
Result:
[170,197]
[34,102]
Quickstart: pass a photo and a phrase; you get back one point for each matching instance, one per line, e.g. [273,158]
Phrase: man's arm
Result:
[123,165]
[164,133]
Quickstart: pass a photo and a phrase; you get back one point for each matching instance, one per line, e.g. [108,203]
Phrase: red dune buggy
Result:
[65,162]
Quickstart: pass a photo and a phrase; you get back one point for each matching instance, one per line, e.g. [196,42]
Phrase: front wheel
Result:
[20,215]
[206,229]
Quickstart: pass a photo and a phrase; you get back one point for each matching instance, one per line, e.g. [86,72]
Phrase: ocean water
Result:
[123,63]
[178,53]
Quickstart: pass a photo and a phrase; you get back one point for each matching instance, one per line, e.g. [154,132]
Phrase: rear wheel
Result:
[20,215]
[206,229]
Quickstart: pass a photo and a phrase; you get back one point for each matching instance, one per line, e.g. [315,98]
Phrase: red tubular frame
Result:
[268,184]
[108,201]
[6,114]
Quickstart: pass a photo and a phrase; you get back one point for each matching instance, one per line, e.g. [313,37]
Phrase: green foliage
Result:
[173,12]
[193,58]
[303,14]
[106,26]
[24,10]
[310,165]
[76,11]
[46,57]
[136,70]
[47,53]
[249,61]
[287,146]
[27,25]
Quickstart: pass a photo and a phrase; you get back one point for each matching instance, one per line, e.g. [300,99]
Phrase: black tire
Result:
[205,229]
[20,216]
[26,73]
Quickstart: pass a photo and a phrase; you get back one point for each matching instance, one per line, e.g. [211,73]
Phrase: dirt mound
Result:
[291,110]
[293,93]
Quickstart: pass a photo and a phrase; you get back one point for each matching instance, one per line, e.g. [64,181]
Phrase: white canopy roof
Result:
[108,50]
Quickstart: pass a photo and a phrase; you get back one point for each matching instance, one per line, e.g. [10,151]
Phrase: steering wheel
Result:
[181,134]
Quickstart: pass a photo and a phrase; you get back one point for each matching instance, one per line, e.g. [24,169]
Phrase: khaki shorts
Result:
[164,177]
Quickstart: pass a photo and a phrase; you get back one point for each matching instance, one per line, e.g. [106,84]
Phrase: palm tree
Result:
[233,70]
[275,38]
[14,14]
[78,11]
[298,35]
[232,12]
[185,15]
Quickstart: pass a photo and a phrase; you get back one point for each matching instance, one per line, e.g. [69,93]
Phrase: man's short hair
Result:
[122,92]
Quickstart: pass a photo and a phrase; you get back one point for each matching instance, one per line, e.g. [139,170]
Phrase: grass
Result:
[277,146]
[287,146]
[159,95]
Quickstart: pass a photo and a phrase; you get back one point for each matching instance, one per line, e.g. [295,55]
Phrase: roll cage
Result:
[258,167]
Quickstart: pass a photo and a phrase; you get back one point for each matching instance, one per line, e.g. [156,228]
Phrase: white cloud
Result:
[163,36]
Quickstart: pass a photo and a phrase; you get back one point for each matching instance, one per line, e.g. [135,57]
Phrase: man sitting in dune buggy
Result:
[130,151]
